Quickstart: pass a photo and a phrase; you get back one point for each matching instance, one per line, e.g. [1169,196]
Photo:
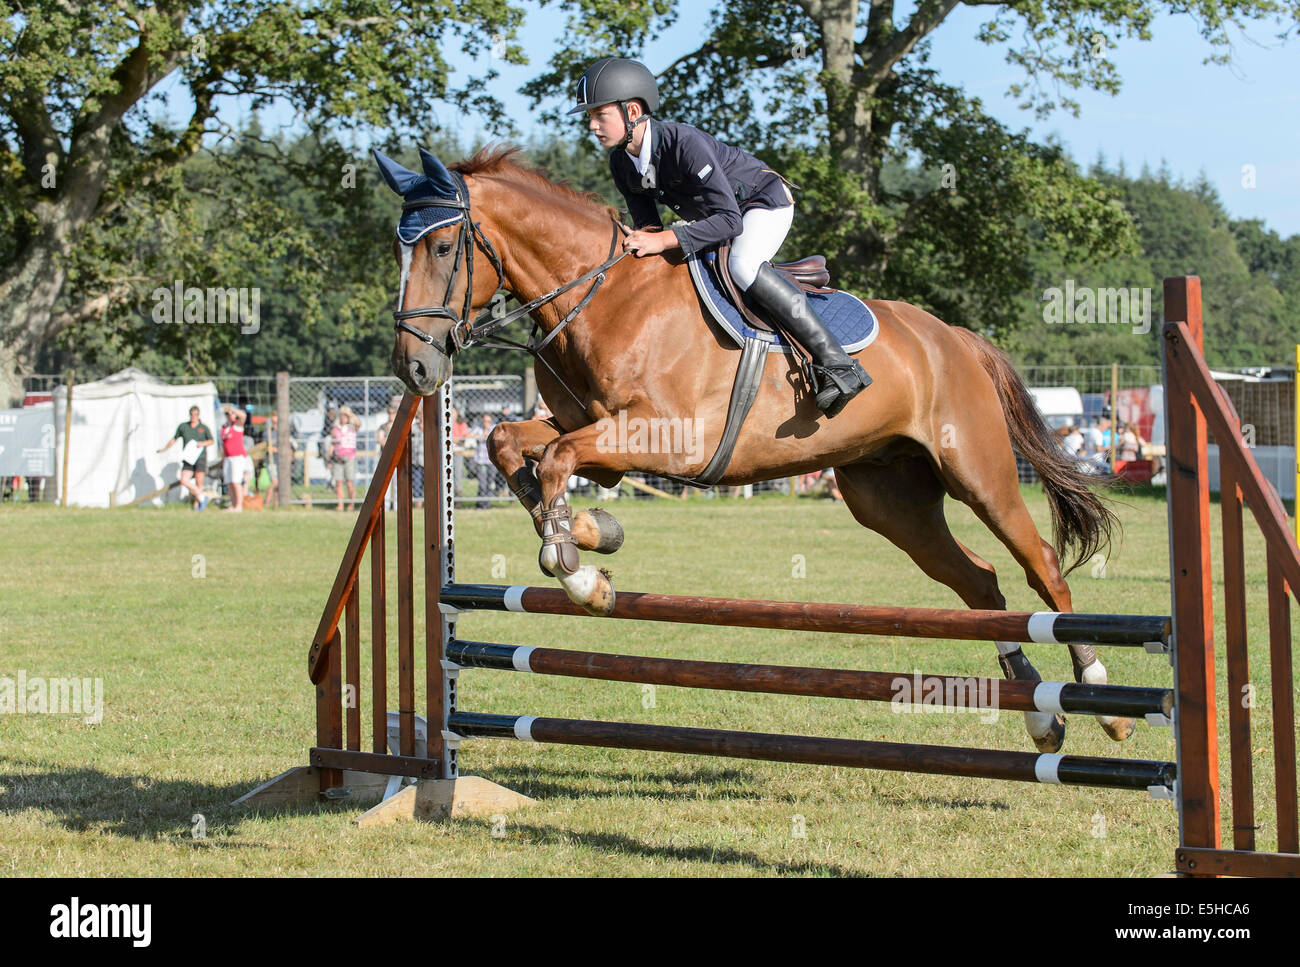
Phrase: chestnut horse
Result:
[942,416]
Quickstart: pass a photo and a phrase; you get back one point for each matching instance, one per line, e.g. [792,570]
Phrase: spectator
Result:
[237,466]
[483,463]
[343,455]
[387,426]
[272,441]
[459,449]
[250,434]
[820,482]
[1130,447]
[416,444]
[195,438]
[390,498]
[1093,441]
[1072,440]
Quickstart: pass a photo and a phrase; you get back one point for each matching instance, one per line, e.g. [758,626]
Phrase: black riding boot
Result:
[839,377]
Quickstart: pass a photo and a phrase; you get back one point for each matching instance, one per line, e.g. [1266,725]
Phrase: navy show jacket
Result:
[701,179]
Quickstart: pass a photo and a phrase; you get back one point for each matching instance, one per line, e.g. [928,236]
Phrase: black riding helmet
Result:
[617,80]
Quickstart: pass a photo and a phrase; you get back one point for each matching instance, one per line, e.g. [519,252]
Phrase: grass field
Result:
[199,624]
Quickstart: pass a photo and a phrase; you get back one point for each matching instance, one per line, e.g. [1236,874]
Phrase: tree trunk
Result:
[854,143]
[29,289]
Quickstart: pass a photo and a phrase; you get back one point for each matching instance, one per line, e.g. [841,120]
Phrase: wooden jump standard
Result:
[340,769]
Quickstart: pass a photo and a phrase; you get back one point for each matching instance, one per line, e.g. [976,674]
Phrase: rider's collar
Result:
[647,145]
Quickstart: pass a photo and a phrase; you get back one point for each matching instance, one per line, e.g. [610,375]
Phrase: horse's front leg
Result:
[511,446]
[587,451]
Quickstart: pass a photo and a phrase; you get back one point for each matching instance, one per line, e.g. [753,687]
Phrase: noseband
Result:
[468,238]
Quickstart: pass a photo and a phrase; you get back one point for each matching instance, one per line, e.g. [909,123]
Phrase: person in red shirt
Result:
[237,466]
[459,448]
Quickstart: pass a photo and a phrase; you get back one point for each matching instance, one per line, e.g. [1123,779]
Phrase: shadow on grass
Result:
[703,784]
[144,808]
[707,855]
[940,802]
[131,806]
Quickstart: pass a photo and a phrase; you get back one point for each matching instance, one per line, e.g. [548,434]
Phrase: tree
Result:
[79,146]
[838,94]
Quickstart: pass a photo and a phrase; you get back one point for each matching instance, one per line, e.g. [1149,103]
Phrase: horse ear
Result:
[398,178]
[437,173]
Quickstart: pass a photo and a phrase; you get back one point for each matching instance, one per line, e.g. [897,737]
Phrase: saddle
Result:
[809,274]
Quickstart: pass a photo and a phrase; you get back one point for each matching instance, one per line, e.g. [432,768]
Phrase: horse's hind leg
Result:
[984,477]
[903,502]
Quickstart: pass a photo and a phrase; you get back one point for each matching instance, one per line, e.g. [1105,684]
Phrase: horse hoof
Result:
[1048,736]
[598,530]
[591,589]
[1117,728]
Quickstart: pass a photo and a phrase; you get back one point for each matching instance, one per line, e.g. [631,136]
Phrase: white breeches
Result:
[762,233]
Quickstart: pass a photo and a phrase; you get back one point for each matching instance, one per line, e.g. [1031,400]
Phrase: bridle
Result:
[469,236]
[490,318]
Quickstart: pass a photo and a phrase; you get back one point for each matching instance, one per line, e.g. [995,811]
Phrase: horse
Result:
[940,420]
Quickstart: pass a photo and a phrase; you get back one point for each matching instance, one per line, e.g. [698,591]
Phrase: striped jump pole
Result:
[1051,627]
[944,690]
[1155,777]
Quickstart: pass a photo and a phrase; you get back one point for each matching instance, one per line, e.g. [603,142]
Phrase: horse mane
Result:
[497,159]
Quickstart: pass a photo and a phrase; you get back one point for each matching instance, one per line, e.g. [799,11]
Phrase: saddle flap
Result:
[729,287]
[809,273]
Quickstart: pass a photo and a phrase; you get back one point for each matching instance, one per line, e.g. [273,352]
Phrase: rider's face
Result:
[606,124]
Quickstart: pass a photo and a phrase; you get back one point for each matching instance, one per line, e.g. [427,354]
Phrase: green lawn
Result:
[199,624]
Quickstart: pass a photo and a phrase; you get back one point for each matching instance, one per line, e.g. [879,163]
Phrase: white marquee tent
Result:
[118,424]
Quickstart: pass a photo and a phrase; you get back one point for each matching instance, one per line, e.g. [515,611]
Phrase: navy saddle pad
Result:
[846,316]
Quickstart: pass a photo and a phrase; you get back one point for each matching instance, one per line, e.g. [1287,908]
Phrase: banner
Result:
[27,442]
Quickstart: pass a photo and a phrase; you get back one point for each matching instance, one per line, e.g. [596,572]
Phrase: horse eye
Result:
[442,249]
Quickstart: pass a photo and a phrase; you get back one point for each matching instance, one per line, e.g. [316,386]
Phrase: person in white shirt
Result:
[1073,441]
[1093,442]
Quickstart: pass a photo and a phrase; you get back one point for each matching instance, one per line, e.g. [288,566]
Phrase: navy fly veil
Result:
[436,183]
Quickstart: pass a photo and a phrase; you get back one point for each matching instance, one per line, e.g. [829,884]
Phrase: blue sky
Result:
[1173,108]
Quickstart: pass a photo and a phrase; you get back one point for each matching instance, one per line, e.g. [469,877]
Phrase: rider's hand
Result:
[642,243]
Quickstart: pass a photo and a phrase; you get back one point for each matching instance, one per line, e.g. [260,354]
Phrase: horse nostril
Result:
[417,371]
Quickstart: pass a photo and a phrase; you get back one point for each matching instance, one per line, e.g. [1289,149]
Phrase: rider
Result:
[727,193]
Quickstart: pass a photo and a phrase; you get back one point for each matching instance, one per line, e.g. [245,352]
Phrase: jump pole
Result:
[1054,768]
[974,694]
[1049,627]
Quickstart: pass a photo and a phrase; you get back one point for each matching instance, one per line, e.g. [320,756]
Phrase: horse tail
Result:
[1080,520]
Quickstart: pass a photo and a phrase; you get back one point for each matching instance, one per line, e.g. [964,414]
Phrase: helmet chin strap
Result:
[628,126]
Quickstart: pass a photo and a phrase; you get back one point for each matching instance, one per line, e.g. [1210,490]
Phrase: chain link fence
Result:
[1081,397]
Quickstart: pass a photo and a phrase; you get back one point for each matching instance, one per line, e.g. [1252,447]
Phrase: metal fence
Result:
[318,404]
[1083,396]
